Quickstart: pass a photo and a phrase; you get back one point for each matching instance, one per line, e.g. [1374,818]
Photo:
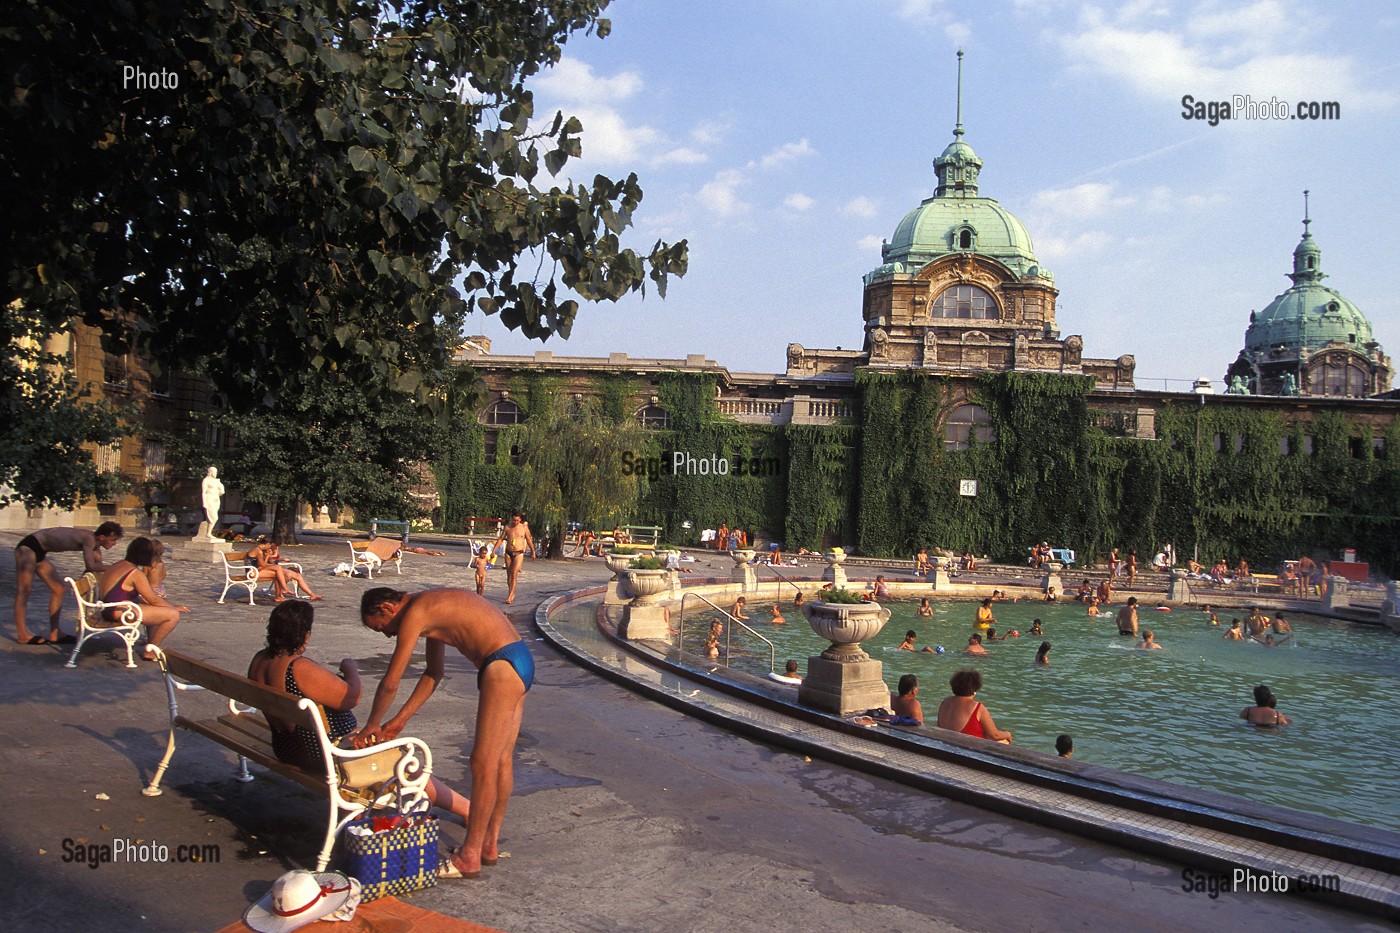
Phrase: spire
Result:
[958,166]
[1307,255]
[958,130]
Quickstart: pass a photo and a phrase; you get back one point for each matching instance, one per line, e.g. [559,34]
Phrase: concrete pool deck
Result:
[628,815]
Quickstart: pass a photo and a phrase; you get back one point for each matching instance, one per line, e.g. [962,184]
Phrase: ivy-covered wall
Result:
[1222,479]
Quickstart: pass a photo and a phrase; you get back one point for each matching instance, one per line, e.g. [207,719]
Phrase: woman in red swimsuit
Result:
[126,580]
[962,713]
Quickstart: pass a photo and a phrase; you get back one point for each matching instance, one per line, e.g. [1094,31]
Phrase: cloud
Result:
[573,80]
[787,153]
[720,195]
[1264,50]
[932,14]
[682,155]
[870,244]
[798,201]
[1087,200]
[860,207]
[1050,249]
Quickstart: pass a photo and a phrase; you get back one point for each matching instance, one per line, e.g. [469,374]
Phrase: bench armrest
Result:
[410,777]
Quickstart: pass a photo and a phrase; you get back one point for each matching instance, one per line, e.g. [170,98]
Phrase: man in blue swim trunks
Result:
[481,632]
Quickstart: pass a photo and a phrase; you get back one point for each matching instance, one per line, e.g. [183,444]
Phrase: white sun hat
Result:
[301,897]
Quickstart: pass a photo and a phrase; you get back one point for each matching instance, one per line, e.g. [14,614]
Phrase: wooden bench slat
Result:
[239,688]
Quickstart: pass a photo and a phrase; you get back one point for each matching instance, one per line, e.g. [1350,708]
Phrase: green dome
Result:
[937,226]
[1308,316]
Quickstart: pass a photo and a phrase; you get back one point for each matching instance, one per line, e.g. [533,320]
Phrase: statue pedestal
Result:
[1052,578]
[1337,595]
[743,574]
[201,548]
[1179,591]
[843,687]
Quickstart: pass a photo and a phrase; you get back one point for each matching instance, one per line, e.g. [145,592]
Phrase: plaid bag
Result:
[398,856]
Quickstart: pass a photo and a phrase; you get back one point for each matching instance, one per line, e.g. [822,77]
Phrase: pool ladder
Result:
[772,650]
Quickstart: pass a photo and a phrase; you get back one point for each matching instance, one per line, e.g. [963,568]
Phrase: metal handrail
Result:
[783,578]
[772,649]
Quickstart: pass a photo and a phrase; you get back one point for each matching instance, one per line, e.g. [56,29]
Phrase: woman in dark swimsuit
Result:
[962,713]
[126,581]
[1263,712]
[281,665]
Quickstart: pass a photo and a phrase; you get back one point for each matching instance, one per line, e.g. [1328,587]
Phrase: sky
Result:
[785,139]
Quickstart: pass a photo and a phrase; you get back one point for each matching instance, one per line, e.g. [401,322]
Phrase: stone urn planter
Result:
[834,572]
[843,679]
[845,625]
[646,615]
[617,563]
[743,572]
[647,586]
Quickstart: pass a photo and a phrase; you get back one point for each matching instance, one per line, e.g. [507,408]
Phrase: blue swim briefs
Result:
[517,655]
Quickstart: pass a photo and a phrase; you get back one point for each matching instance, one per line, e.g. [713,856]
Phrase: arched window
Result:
[1340,377]
[967,425]
[967,302]
[965,240]
[654,418]
[502,413]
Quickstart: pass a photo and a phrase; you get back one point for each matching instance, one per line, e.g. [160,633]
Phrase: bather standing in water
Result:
[1263,712]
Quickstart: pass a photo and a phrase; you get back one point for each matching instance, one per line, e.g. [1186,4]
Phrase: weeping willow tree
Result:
[571,465]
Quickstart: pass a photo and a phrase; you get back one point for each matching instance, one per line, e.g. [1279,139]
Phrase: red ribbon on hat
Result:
[325,890]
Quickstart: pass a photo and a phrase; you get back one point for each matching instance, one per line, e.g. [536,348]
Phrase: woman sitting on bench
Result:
[281,666]
[126,581]
[268,558]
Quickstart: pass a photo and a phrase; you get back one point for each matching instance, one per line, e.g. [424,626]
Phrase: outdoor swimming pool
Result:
[1172,714]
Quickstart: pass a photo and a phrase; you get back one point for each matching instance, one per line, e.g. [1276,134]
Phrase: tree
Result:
[329,446]
[284,195]
[571,462]
[45,418]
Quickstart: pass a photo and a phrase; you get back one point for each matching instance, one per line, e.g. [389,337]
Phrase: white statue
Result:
[212,492]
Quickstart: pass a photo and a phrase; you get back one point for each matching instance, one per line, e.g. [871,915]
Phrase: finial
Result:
[958,130]
[1306,220]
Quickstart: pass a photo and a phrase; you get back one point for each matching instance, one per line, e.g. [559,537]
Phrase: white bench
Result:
[238,572]
[373,554]
[397,771]
[91,623]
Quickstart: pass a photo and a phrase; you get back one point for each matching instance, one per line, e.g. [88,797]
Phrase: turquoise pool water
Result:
[1171,714]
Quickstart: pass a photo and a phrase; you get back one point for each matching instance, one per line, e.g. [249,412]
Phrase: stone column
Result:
[1052,578]
[940,578]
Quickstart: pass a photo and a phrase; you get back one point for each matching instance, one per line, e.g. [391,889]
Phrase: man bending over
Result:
[482,633]
[31,557]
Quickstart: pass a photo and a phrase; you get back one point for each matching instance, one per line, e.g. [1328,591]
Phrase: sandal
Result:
[448,871]
[37,640]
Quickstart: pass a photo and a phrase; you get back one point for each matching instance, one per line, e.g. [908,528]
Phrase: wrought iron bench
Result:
[393,773]
[91,623]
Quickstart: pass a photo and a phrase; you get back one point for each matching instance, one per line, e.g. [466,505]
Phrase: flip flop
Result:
[448,870]
[64,640]
[37,640]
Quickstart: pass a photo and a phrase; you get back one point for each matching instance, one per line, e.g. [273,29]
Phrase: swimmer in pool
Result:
[974,646]
[925,611]
[1263,712]
[777,617]
[1235,632]
[1042,655]
[984,615]
[1148,643]
[906,701]
[909,638]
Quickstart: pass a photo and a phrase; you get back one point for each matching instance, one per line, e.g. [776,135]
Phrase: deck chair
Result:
[91,623]
[374,554]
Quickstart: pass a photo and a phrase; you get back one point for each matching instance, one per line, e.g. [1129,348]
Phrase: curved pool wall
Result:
[1198,828]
